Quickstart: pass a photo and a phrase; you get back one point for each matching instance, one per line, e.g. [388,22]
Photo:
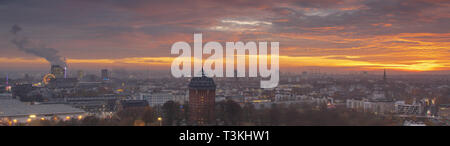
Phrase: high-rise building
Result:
[57,71]
[105,74]
[202,93]
[80,74]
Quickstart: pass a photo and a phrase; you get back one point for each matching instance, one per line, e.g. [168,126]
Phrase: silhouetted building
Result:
[80,75]
[105,75]
[23,92]
[94,104]
[202,93]
[127,104]
[2,89]
[444,111]
[20,112]
[58,71]
[63,83]
[430,108]
[156,99]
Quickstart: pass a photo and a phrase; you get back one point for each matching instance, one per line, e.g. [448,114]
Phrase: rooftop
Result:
[15,108]
[202,82]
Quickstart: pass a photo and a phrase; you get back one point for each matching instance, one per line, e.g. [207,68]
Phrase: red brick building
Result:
[202,94]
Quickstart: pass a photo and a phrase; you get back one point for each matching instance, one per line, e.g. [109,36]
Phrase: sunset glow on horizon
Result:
[358,35]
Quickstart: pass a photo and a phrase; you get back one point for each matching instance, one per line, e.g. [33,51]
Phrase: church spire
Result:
[384,75]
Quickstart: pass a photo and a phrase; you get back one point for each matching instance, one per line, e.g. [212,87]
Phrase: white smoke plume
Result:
[25,45]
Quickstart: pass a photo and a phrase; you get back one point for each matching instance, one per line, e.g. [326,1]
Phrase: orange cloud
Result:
[285,62]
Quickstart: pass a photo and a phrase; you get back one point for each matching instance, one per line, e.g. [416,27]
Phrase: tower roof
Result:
[202,82]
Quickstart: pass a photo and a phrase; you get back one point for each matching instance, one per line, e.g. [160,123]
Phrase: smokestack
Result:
[57,71]
[24,44]
[65,69]
[7,79]
[65,72]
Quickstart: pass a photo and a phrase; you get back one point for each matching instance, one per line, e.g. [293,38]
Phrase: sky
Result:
[332,35]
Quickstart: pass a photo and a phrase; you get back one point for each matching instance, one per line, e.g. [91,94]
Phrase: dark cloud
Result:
[141,28]
[318,3]
[15,29]
[403,16]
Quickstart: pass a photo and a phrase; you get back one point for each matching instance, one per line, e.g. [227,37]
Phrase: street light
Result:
[160,121]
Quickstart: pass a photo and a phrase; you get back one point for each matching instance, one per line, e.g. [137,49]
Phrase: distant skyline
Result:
[403,36]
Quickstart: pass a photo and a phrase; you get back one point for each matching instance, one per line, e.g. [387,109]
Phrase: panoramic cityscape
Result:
[339,63]
[120,97]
